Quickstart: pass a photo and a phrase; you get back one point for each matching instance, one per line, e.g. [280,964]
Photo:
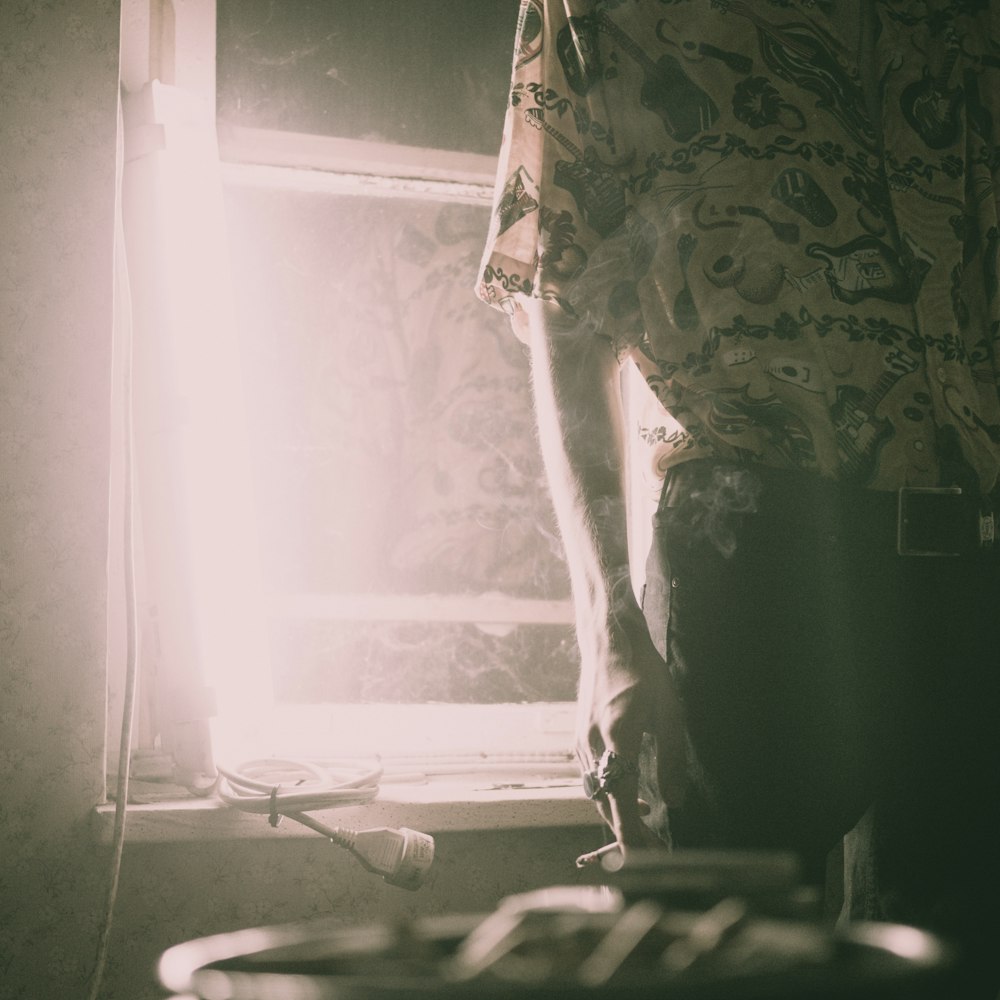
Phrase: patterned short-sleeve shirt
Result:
[784,212]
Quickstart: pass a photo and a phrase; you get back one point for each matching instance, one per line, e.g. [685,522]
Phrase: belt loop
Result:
[987,529]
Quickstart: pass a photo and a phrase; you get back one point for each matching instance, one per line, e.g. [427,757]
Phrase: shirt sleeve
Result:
[510,259]
[561,227]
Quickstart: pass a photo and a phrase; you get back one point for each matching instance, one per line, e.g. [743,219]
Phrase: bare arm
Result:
[624,686]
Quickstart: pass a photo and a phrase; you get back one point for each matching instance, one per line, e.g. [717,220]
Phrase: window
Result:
[357,515]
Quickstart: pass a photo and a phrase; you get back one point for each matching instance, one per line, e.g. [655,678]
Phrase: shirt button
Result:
[918,445]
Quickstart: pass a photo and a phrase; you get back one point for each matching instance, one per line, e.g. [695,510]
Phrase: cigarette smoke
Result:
[707,511]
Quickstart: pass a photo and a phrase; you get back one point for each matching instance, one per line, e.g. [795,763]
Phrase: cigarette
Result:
[585,860]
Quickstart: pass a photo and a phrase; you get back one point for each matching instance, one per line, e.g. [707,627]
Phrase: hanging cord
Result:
[280,787]
[123,306]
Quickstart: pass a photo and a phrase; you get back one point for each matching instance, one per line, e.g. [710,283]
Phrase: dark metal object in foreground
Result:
[709,926]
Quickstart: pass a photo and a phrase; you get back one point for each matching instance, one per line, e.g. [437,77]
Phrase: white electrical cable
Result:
[278,785]
[283,787]
[131,615]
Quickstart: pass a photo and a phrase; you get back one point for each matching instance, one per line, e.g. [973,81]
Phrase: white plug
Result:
[402,857]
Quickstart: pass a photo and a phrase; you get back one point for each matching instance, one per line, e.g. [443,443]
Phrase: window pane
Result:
[418,662]
[431,73]
[393,446]
[390,413]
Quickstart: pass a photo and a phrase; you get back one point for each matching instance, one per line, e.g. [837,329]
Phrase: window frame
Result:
[176,45]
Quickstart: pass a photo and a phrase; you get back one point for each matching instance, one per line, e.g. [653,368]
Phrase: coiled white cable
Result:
[281,785]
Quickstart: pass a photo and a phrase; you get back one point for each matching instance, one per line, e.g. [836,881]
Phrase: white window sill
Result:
[473,803]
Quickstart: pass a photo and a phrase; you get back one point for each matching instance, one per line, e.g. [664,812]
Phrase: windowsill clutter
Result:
[488,801]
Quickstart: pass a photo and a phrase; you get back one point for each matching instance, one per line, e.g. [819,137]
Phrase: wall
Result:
[58,79]
[58,89]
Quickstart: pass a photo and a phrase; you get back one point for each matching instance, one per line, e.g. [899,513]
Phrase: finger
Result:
[586,756]
[604,808]
[623,805]
[615,784]
[601,804]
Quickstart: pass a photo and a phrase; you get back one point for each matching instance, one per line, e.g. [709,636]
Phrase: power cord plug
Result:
[401,856]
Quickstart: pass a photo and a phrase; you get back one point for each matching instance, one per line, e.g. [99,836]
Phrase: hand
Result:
[631,693]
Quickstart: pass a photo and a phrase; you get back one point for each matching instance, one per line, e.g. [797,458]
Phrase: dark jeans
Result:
[833,687]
